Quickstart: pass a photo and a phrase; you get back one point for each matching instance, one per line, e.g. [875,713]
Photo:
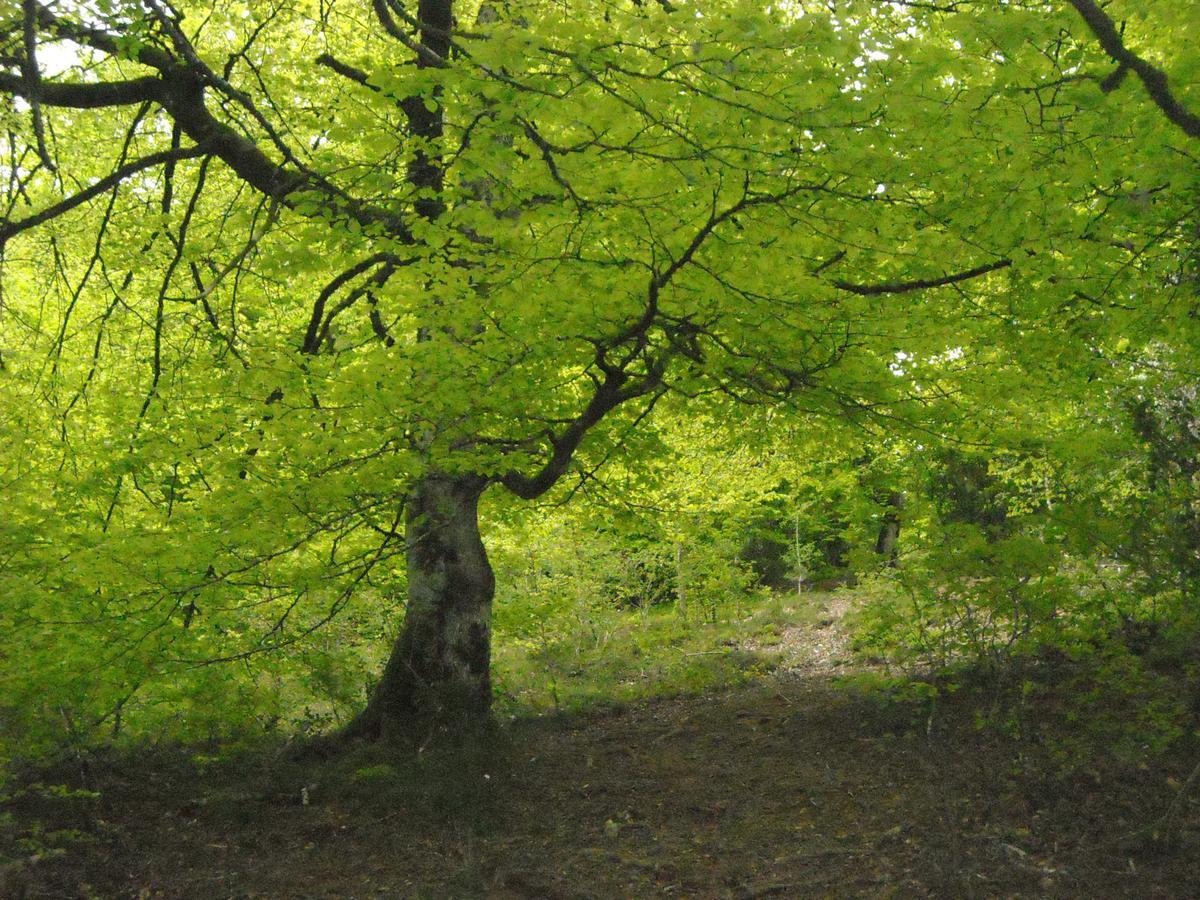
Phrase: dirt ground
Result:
[789,787]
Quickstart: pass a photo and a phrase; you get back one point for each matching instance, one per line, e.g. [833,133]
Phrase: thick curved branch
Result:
[180,89]
[347,71]
[609,394]
[618,384]
[905,287]
[32,76]
[320,321]
[427,56]
[83,96]
[96,38]
[1154,79]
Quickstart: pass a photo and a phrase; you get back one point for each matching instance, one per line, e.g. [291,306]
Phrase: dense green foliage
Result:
[729,278]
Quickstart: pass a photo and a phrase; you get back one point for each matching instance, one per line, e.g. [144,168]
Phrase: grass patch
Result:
[623,656]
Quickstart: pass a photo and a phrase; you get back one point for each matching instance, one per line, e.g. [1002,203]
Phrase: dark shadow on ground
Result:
[788,788]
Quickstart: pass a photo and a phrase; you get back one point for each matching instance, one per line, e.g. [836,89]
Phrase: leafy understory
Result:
[775,785]
[421,387]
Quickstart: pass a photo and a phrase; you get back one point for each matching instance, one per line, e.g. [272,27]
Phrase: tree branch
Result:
[427,56]
[614,390]
[905,287]
[8,229]
[83,96]
[358,76]
[618,384]
[313,334]
[32,76]
[179,88]
[1154,79]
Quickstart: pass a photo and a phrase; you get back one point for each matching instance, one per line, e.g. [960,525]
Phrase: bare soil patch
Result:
[789,787]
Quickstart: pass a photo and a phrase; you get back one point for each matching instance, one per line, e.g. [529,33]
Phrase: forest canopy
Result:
[305,305]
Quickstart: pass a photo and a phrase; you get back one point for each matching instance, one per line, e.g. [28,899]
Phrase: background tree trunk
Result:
[889,528]
[438,675]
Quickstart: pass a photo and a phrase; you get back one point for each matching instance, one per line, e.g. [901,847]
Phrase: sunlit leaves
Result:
[176,450]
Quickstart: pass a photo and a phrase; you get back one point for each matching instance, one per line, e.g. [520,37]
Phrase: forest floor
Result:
[788,786]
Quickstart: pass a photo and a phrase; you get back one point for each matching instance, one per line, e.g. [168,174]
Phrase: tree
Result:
[345,267]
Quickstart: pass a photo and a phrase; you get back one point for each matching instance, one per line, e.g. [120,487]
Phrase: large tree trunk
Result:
[438,676]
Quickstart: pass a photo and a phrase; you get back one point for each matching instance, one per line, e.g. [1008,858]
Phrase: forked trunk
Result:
[438,676]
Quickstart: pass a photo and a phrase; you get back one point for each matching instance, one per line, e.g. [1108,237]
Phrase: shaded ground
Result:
[788,787]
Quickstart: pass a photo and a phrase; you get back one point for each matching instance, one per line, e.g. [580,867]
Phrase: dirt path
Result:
[820,645]
[789,787]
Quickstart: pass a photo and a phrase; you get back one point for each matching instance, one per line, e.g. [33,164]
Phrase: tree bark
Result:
[438,675]
[889,528]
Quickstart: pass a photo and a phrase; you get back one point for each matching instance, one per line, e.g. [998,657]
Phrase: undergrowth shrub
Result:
[973,600]
[1034,629]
